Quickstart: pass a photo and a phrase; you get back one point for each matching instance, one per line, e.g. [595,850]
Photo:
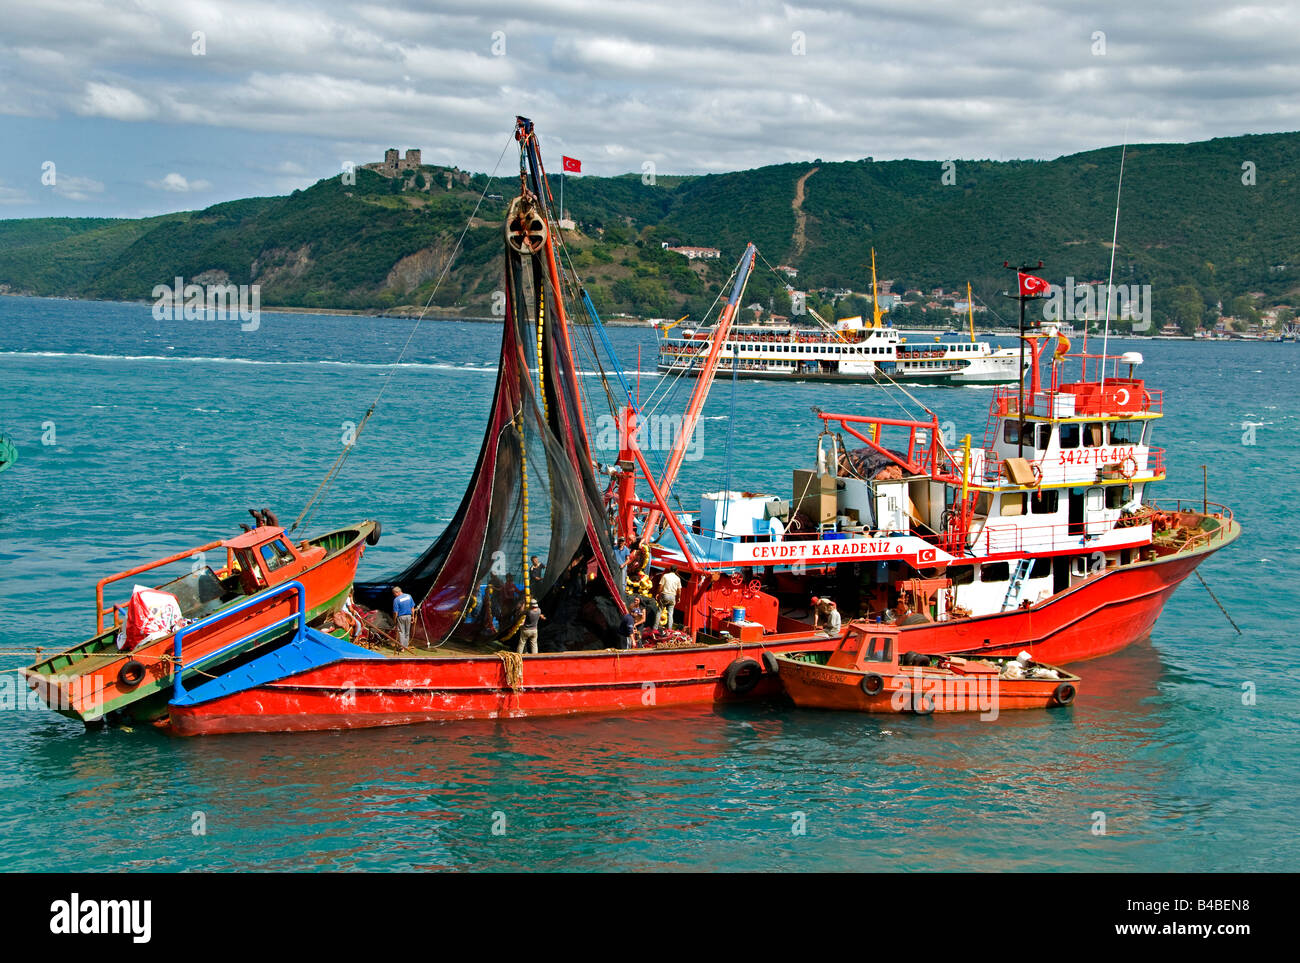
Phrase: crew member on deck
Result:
[528,634]
[403,609]
[670,586]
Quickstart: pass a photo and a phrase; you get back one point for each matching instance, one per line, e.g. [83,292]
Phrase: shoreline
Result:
[410,312]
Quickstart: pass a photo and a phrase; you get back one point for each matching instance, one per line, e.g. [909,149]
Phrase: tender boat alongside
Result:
[867,674]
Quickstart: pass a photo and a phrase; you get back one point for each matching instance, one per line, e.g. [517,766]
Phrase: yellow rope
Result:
[512,663]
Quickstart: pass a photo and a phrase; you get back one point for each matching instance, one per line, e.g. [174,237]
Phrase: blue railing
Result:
[178,689]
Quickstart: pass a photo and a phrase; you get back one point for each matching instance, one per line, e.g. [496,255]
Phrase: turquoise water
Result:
[163,433]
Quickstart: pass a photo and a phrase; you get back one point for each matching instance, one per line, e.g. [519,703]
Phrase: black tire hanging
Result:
[872,684]
[373,537]
[770,663]
[742,676]
[1063,694]
[131,674]
[923,703]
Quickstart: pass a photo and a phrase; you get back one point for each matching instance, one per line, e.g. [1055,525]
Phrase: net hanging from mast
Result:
[533,493]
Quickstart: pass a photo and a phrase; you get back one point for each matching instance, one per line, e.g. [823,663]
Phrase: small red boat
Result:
[222,613]
[867,674]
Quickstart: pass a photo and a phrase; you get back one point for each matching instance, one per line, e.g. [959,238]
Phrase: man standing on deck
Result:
[528,634]
[621,555]
[670,587]
[403,609]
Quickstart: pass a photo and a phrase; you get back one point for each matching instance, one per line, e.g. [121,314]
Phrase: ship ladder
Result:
[1017,583]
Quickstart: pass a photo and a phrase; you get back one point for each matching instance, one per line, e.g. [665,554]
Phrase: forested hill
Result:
[1191,226]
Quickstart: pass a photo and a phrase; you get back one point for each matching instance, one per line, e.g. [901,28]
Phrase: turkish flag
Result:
[1031,286]
[572,165]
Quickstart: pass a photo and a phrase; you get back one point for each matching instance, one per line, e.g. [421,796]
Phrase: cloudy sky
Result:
[145,106]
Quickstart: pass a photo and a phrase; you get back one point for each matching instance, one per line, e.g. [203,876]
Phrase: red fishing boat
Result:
[868,674]
[220,613]
[1044,539]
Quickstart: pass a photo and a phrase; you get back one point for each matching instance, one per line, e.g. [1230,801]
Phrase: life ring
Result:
[872,684]
[1125,470]
[770,663]
[131,674]
[1063,694]
[373,537]
[923,703]
[741,676]
[1037,471]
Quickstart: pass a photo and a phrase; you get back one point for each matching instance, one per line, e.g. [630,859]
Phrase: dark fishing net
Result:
[532,494]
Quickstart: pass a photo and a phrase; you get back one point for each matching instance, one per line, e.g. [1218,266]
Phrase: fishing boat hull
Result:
[1097,617]
[95,680]
[378,691]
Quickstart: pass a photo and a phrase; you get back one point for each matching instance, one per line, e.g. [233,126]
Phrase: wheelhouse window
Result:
[1117,496]
[1044,437]
[1069,435]
[995,571]
[1125,432]
[1094,434]
[275,554]
[879,648]
[1011,504]
[1044,501]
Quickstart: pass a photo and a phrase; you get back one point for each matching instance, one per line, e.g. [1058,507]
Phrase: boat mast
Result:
[702,385]
[876,313]
[970,313]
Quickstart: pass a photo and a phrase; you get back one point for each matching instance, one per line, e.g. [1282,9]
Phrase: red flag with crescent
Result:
[1031,286]
[572,164]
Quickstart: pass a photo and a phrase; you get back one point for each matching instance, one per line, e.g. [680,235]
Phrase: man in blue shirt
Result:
[403,609]
[621,555]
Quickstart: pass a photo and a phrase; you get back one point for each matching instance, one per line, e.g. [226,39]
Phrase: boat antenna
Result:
[1114,236]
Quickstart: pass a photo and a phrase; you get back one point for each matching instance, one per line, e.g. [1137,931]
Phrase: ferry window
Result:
[1125,432]
[1044,437]
[1041,569]
[1044,502]
[1094,435]
[1012,503]
[1069,435]
[995,571]
[1010,431]
[983,502]
[962,574]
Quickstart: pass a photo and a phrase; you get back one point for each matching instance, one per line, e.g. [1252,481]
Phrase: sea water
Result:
[140,438]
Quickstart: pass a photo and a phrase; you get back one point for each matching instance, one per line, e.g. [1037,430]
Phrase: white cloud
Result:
[179,184]
[14,195]
[695,85]
[118,103]
[76,188]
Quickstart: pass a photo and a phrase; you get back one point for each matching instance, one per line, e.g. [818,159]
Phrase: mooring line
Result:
[1219,604]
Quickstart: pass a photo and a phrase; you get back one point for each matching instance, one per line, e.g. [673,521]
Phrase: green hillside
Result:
[1189,227]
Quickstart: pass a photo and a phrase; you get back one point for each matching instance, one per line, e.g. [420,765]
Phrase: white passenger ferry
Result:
[851,350]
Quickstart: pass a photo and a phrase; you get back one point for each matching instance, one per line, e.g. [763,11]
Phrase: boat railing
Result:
[101,611]
[300,616]
[1199,506]
[1117,398]
[1048,537]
